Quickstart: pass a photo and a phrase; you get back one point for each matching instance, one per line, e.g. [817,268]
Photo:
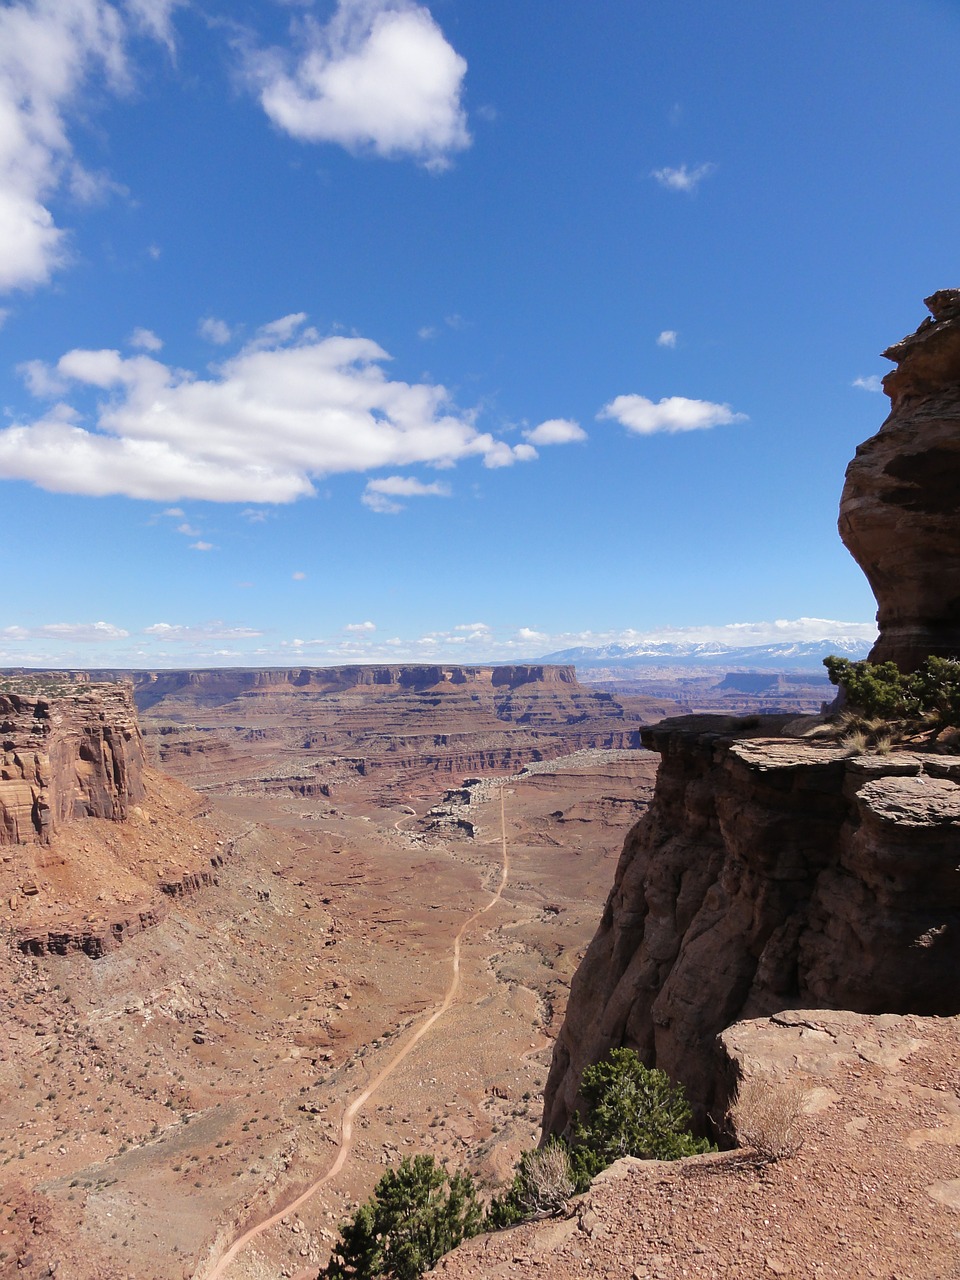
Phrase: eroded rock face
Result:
[898,513]
[769,873]
[67,752]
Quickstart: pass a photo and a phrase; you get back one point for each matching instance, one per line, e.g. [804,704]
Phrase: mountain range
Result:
[785,655]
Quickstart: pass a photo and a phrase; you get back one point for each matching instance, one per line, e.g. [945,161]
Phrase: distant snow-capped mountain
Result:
[784,655]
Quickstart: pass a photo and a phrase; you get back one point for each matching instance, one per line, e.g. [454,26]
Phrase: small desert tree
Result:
[417,1213]
[632,1110]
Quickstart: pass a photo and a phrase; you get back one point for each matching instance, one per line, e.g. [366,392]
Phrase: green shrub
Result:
[417,1213]
[632,1110]
[883,690]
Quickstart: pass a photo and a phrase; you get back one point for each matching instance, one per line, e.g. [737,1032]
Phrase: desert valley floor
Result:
[190,1083]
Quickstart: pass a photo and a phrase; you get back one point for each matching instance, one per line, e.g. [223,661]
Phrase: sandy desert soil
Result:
[192,1082]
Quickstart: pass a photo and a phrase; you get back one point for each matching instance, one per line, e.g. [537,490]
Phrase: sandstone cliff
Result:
[69,751]
[772,872]
[769,873]
[898,513]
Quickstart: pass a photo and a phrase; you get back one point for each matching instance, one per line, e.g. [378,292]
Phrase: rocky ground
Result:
[874,1190]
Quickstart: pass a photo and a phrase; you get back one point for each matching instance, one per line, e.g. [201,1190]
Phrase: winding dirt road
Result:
[346,1124]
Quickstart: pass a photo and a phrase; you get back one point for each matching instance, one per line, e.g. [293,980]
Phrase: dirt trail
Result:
[346,1125]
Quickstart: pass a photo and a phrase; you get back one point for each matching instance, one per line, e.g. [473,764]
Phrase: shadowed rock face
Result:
[899,510]
[768,874]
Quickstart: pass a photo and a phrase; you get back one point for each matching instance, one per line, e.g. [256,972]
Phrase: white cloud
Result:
[298,575]
[379,495]
[361,627]
[471,626]
[378,76]
[288,408]
[668,338]
[154,17]
[41,381]
[426,332]
[48,50]
[76,632]
[214,330]
[683,179]
[145,340]
[175,512]
[188,531]
[528,635]
[556,431]
[203,631]
[201,546]
[673,413]
[872,383]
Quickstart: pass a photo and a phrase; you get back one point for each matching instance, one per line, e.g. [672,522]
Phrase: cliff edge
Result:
[772,871]
[69,751]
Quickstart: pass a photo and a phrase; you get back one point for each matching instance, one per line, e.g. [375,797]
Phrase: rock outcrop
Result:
[69,751]
[769,873]
[898,513]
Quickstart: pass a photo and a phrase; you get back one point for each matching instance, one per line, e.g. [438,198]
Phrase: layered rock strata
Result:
[898,513]
[769,873]
[68,751]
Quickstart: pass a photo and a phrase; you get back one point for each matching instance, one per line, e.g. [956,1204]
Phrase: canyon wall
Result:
[898,512]
[769,873]
[69,751]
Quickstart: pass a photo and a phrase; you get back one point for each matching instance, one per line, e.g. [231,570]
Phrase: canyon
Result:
[355,917]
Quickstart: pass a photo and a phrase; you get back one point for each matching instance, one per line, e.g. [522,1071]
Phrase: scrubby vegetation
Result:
[888,705]
[765,1116]
[418,1211]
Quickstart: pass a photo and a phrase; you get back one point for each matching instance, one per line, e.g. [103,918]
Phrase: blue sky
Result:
[354,330]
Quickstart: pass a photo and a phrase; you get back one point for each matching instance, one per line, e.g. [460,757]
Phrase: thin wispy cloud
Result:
[289,408]
[380,76]
[682,178]
[872,383]
[189,633]
[668,338]
[381,495]
[76,632]
[671,414]
[215,331]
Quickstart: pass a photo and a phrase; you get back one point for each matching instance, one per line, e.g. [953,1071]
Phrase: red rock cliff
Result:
[768,874]
[68,751]
[898,513]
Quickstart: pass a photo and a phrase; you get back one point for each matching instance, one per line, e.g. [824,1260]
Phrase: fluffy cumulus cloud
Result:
[668,338]
[381,495]
[145,340]
[682,178]
[379,76]
[289,407]
[671,414]
[49,51]
[360,628]
[556,431]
